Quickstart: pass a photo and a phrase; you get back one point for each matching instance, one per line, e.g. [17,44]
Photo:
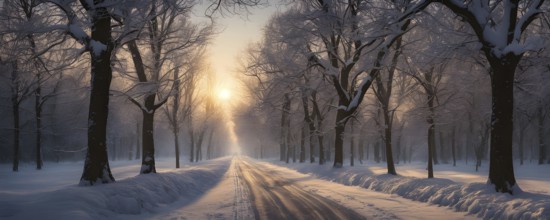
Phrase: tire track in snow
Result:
[276,197]
[242,209]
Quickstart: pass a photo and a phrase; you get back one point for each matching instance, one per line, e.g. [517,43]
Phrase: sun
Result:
[224,94]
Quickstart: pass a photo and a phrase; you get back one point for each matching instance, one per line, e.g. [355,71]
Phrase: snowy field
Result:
[461,187]
[216,190]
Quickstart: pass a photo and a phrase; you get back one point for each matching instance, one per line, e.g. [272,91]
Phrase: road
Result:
[252,189]
[274,197]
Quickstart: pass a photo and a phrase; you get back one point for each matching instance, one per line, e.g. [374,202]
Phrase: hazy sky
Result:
[237,32]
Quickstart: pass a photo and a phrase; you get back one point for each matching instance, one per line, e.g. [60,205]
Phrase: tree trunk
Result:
[138,141]
[540,128]
[173,116]
[501,166]
[198,156]
[302,144]
[361,149]
[339,138]
[96,165]
[388,140]
[282,138]
[453,146]
[321,149]
[37,105]
[192,140]
[431,131]
[312,143]
[288,141]
[209,148]
[352,147]
[177,148]
[328,149]
[317,132]
[431,146]
[311,127]
[432,158]
[148,158]
[148,111]
[16,130]
[283,147]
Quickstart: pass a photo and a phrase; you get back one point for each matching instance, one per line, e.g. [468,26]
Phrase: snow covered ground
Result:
[53,192]
[531,177]
[217,190]
[460,187]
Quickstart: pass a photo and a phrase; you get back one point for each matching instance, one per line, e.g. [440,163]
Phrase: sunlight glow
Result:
[224,94]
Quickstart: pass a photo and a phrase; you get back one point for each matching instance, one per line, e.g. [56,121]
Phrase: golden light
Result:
[224,94]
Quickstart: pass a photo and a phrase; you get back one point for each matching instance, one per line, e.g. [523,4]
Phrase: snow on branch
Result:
[332,73]
[365,84]
[72,28]
[502,36]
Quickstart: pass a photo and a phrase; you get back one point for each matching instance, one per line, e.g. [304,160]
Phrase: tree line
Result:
[114,61]
[327,72]
[434,78]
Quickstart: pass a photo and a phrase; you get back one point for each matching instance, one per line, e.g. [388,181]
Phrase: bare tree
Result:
[500,27]
[383,91]
[168,33]
[26,59]
[99,44]
[346,54]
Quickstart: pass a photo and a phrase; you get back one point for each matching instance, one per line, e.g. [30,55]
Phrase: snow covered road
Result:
[225,188]
[252,189]
[275,197]
[271,182]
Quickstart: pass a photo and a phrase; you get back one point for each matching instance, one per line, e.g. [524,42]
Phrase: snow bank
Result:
[130,196]
[475,198]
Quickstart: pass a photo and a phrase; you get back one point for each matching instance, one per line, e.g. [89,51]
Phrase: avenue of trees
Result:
[120,62]
[434,80]
[430,80]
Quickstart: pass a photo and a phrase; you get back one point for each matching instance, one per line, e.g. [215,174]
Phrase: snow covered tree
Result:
[383,90]
[29,55]
[100,46]
[500,28]
[279,63]
[99,42]
[341,28]
[166,35]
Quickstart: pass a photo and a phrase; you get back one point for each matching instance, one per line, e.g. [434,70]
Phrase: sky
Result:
[236,32]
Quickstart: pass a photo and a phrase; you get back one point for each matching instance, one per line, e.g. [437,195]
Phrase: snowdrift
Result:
[130,196]
[478,199]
